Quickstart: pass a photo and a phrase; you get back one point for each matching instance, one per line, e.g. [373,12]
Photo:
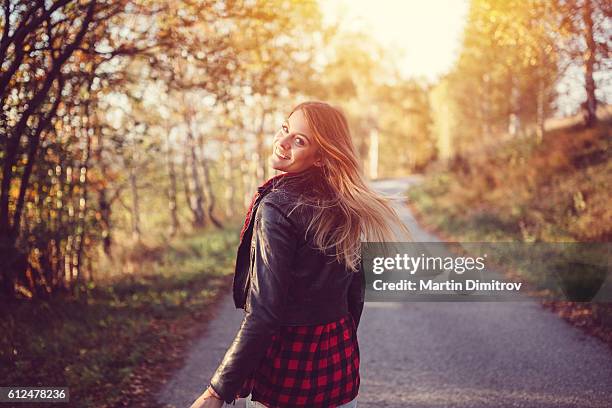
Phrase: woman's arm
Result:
[209,399]
[275,245]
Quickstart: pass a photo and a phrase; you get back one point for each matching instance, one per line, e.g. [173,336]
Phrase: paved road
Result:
[511,354]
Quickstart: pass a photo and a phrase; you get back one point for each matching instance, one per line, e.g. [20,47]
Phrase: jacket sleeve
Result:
[275,242]
[356,295]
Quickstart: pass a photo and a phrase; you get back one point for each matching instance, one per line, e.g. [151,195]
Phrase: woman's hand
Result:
[209,399]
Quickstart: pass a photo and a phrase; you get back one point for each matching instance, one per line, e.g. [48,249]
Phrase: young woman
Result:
[298,274]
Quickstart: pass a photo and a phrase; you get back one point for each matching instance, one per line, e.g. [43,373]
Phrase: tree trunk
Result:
[247,187]
[230,186]
[172,190]
[135,209]
[104,203]
[540,116]
[105,216]
[590,106]
[198,192]
[211,195]
[186,186]
[12,140]
[208,185]
[262,169]
[84,201]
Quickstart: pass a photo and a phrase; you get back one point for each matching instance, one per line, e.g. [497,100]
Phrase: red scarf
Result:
[257,194]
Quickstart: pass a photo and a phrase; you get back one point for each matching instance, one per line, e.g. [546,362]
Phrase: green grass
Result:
[92,343]
[455,218]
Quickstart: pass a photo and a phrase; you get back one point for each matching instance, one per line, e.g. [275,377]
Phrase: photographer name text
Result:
[450,285]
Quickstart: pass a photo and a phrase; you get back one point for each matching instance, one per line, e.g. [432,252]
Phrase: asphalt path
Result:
[425,354]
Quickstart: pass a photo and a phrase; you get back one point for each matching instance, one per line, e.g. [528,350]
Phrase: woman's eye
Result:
[285,129]
[299,141]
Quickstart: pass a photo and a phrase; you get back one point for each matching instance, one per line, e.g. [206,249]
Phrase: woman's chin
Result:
[276,165]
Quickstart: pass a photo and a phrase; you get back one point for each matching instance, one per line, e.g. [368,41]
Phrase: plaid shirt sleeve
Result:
[274,246]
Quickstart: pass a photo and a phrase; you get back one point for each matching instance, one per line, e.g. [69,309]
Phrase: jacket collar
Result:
[308,180]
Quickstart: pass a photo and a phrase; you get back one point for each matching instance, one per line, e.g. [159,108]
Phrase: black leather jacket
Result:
[281,279]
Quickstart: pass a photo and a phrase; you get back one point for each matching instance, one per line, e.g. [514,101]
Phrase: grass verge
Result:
[115,344]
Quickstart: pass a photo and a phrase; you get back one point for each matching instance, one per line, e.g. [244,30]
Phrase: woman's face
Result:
[294,148]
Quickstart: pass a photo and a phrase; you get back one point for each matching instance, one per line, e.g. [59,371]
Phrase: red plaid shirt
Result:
[309,366]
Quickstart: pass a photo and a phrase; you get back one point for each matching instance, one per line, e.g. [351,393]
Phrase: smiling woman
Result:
[298,273]
[294,148]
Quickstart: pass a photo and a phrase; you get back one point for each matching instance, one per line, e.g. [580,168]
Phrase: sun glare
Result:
[426,34]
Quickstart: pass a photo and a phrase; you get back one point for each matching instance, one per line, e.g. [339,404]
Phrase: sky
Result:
[426,32]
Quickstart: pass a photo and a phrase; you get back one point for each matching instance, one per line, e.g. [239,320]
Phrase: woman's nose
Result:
[284,141]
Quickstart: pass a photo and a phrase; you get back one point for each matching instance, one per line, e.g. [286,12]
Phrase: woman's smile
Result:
[281,155]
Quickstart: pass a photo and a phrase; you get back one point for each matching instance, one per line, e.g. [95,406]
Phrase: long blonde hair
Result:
[364,214]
